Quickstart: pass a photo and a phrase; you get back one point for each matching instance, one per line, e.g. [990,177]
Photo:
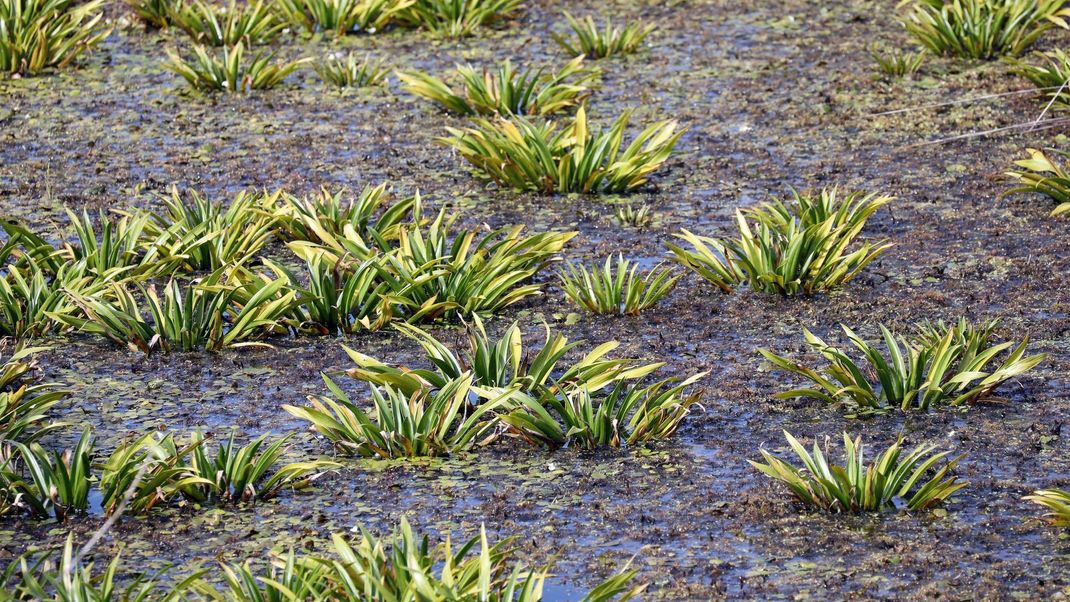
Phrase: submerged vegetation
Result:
[580,157]
[954,365]
[893,479]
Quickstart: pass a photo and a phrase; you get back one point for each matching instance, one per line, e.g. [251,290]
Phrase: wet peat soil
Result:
[775,94]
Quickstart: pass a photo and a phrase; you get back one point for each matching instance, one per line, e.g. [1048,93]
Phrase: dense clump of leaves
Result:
[1044,176]
[25,402]
[896,65]
[228,71]
[1051,79]
[539,157]
[347,72]
[619,289]
[983,29]
[250,24]
[331,217]
[36,35]
[1057,501]
[457,18]
[505,91]
[857,487]
[954,365]
[341,17]
[47,483]
[154,13]
[801,248]
[590,41]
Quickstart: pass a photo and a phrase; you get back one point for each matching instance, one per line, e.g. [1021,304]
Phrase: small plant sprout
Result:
[250,24]
[229,72]
[458,18]
[505,91]
[36,35]
[501,363]
[628,215]
[619,289]
[1057,503]
[801,248]
[893,64]
[983,29]
[590,41]
[856,487]
[954,365]
[347,72]
[539,157]
[1040,174]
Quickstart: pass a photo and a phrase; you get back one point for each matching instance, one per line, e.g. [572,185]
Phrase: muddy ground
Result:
[775,94]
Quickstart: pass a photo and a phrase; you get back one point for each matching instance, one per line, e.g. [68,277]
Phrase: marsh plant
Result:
[458,18]
[338,299]
[40,576]
[330,217]
[36,35]
[341,17]
[983,29]
[349,72]
[49,483]
[586,39]
[427,422]
[628,215]
[251,24]
[1051,78]
[579,157]
[25,402]
[1042,175]
[405,566]
[228,70]
[210,313]
[505,90]
[804,247]
[941,364]
[155,14]
[208,236]
[895,480]
[894,64]
[625,414]
[500,363]
[1057,502]
[617,288]
[30,295]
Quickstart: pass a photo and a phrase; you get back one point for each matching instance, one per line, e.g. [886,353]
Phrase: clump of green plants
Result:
[31,294]
[41,577]
[330,217]
[36,35]
[339,298]
[640,218]
[896,65]
[953,365]
[155,14]
[856,487]
[801,248]
[426,423]
[626,414]
[1051,78]
[539,157]
[250,24]
[619,289]
[405,566]
[983,29]
[1044,176]
[500,363]
[590,41]
[25,402]
[145,472]
[458,18]
[347,72]
[208,237]
[1057,502]
[341,17]
[49,483]
[505,91]
[210,313]
[229,71]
